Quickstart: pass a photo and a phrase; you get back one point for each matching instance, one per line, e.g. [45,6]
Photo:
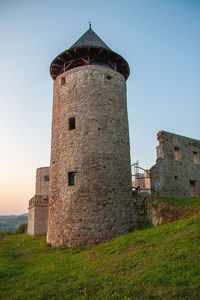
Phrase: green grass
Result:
[156,263]
[179,201]
[182,207]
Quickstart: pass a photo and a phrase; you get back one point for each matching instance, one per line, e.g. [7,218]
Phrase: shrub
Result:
[4,232]
[21,229]
[143,223]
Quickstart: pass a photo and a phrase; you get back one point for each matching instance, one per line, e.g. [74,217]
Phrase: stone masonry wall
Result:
[159,212]
[37,215]
[177,168]
[42,181]
[31,220]
[41,217]
[98,207]
[38,205]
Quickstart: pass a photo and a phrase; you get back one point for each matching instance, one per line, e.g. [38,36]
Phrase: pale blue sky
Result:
[158,38]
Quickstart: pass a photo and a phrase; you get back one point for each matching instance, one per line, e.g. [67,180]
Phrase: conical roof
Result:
[89,39]
[88,47]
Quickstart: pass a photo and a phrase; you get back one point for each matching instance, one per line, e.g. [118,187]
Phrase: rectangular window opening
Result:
[193,188]
[196,158]
[177,153]
[46,178]
[62,80]
[70,178]
[71,123]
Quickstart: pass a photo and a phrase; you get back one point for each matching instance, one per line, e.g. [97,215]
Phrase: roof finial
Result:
[90,25]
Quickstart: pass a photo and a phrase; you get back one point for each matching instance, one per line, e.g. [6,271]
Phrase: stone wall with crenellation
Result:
[38,205]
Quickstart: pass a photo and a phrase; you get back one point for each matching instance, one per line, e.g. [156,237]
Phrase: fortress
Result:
[88,198]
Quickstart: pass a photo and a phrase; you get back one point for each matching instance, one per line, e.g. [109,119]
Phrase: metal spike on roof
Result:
[89,39]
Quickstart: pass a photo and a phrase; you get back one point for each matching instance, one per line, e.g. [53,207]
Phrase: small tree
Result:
[21,229]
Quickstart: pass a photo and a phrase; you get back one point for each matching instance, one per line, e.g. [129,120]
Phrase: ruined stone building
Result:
[177,168]
[38,205]
[90,182]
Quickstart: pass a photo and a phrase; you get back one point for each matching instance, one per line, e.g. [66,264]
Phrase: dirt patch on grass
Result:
[19,254]
[91,254]
[195,238]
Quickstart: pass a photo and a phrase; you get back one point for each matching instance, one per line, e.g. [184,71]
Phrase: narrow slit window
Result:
[177,153]
[196,158]
[62,80]
[71,179]
[71,123]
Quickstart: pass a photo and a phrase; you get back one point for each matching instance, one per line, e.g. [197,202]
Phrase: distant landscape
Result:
[12,222]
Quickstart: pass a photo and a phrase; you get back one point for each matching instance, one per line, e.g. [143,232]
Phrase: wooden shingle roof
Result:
[89,39]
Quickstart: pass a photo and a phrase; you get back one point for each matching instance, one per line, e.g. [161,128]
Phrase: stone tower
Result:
[38,205]
[90,174]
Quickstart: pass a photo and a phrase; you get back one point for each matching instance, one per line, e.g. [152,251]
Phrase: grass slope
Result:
[156,263]
[173,208]
[184,202]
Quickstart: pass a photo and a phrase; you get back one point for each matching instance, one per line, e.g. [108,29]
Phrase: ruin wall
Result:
[177,169]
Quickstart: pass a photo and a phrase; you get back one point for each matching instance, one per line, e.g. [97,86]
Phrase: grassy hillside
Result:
[156,263]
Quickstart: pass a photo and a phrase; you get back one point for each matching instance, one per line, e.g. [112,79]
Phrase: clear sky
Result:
[160,39]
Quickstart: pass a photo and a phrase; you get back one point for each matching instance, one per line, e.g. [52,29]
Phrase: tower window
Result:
[62,80]
[196,158]
[108,77]
[71,123]
[70,178]
[177,153]
[46,178]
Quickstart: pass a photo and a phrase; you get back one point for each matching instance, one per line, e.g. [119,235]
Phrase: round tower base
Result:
[90,182]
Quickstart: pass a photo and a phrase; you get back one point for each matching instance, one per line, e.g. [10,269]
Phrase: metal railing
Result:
[142,182]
